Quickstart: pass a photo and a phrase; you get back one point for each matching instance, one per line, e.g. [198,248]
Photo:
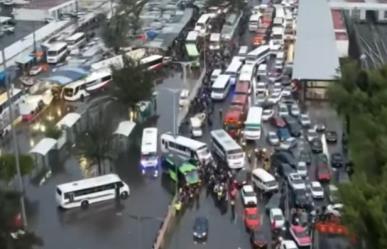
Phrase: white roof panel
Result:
[316,56]
[125,128]
[44,146]
[69,120]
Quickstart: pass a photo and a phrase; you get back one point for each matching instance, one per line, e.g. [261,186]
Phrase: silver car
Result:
[273,138]
[305,120]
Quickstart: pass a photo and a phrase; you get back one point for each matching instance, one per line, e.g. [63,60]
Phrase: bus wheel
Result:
[124,195]
[84,205]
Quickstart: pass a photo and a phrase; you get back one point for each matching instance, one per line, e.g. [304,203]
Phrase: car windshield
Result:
[317,188]
[271,183]
[278,217]
[249,193]
[300,192]
[301,167]
[297,181]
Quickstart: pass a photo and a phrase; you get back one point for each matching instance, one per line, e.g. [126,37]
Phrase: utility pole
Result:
[15,143]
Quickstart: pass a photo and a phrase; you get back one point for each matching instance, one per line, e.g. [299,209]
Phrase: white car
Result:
[335,209]
[295,110]
[273,138]
[301,169]
[305,120]
[260,98]
[296,181]
[249,197]
[288,244]
[267,114]
[317,190]
[283,110]
[183,100]
[311,134]
[289,143]
[275,97]
[277,219]
[260,87]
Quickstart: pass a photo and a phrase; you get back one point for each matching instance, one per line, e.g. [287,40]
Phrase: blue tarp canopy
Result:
[151,34]
[66,75]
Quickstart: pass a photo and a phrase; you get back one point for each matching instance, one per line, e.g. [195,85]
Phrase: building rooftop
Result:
[316,56]
[44,4]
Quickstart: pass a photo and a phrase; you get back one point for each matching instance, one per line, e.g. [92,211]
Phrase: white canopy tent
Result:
[44,146]
[125,128]
[69,120]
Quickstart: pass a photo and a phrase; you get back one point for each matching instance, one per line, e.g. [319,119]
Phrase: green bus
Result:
[193,55]
[180,170]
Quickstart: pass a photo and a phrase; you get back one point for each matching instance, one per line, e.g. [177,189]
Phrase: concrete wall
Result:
[342,48]
[382,15]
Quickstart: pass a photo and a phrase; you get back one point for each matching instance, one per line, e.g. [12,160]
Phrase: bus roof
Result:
[192,36]
[246,72]
[242,87]
[263,174]
[86,183]
[259,50]
[192,50]
[221,81]
[149,140]
[91,77]
[4,96]
[239,99]
[150,58]
[254,115]
[215,37]
[243,50]
[225,139]
[234,66]
[57,46]
[194,144]
[75,36]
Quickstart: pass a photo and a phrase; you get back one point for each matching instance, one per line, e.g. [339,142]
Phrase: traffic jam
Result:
[267,153]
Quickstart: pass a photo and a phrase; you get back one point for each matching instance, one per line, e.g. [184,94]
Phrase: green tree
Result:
[132,83]
[115,32]
[95,142]
[360,97]
[8,166]
[52,131]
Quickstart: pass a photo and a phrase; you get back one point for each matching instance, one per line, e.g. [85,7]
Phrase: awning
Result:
[69,120]
[125,128]
[44,146]
[25,59]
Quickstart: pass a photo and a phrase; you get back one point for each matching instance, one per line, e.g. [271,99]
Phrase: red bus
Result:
[233,120]
[242,87]
[241,100]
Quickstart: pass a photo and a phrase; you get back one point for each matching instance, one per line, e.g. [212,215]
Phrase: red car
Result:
[278,122]
[323,173]
[251,218]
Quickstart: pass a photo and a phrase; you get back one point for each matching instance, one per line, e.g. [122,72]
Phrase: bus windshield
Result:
[202,152]
[234,154]
[218,90]
[149,156]
[253,127]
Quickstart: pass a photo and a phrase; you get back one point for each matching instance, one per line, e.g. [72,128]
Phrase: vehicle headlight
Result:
[204,234]
[195,234]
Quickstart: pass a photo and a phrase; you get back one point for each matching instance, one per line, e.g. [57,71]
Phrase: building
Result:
[41,10]
[341,35]
[362,9]
[316,59]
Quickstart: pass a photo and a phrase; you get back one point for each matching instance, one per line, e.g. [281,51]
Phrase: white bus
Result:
[76,40]
[214,41]
[186,147]
[277,34]
[5,121]
[233,68]
[258,55]
[202,25]
[243,50]
[56,52]
[227,149]
[80,89]
[221,87]
[149,157]
[153,62]
[253,124]
[254,22]
[84,192]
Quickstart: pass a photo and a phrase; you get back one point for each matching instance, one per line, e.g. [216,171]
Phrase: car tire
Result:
[84,205]
[124,195]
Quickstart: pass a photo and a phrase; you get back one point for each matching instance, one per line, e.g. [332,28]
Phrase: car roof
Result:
[248,188]
[315,184]
[276,211]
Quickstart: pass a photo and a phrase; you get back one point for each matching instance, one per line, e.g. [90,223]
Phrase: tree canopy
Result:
[132,83]
[115,32]
[8,166]
[360,96]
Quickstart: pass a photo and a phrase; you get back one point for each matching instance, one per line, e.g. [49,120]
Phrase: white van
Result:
[221,87]
[262,70]
[264,181]
[215,73]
